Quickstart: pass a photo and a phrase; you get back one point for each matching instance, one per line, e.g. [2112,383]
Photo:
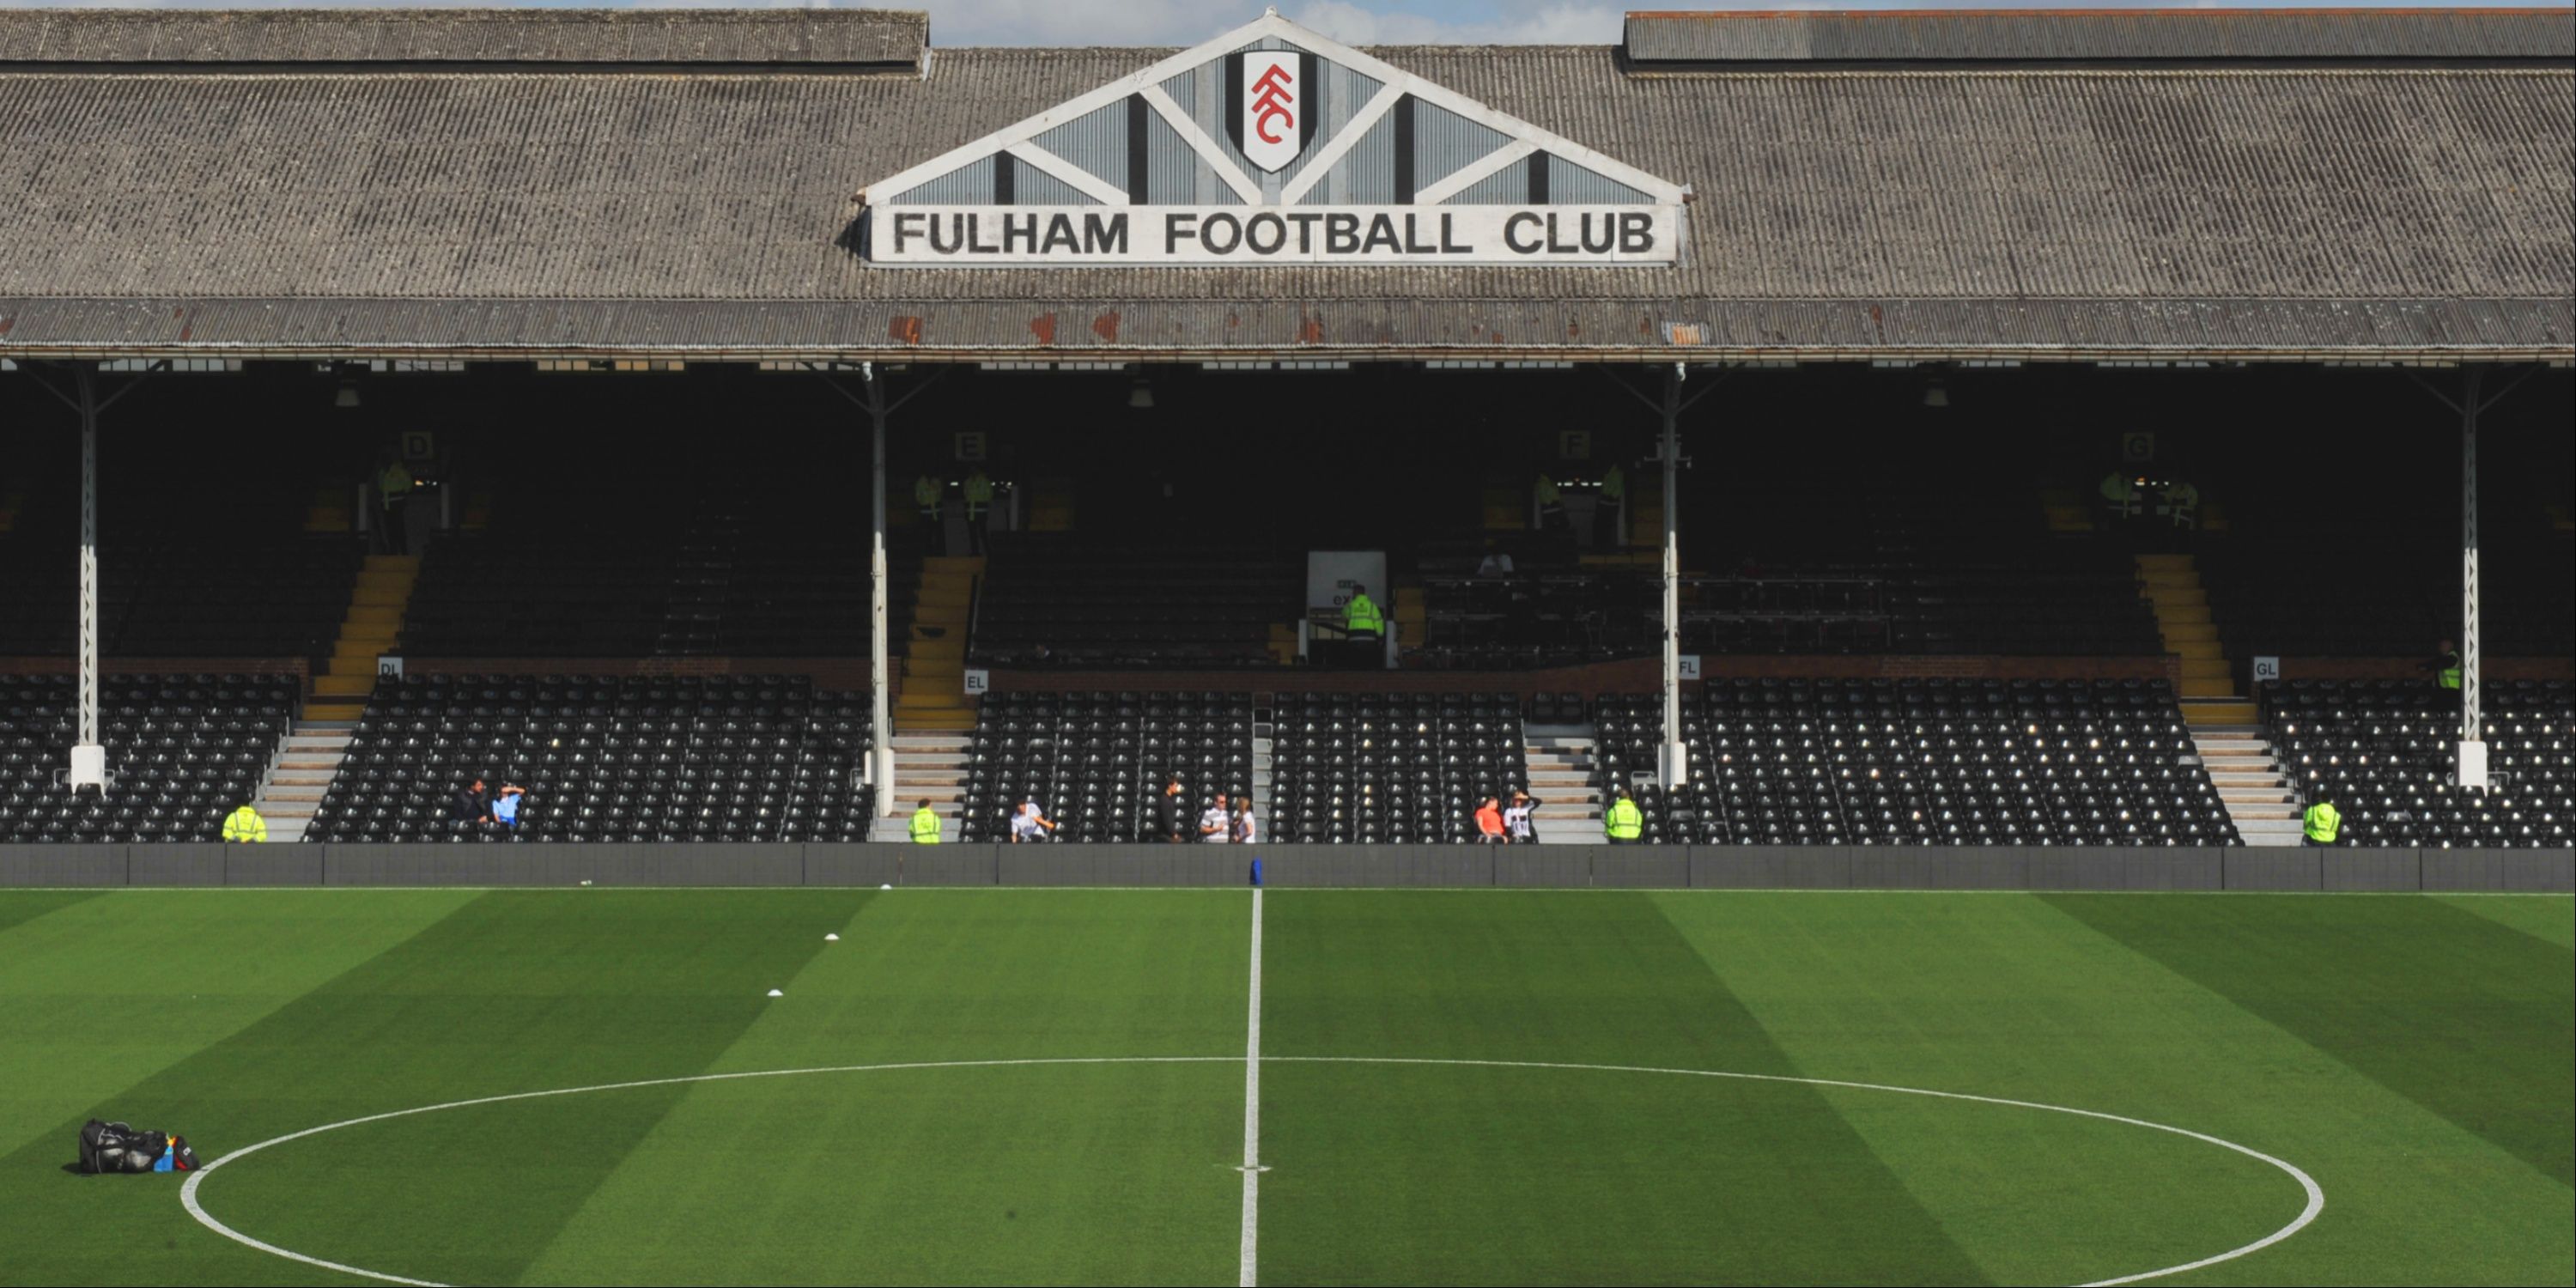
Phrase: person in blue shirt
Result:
[505,805]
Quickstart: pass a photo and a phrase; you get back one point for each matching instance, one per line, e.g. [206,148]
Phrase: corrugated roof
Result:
[540,36]
[2289,210]
[2099,35]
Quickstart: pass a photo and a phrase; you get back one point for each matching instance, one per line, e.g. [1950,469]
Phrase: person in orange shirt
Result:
[1489,823]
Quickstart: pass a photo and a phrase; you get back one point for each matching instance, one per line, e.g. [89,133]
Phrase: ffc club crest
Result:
[1270,92]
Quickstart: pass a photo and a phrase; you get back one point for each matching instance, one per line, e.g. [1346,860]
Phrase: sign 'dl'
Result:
[1269,119]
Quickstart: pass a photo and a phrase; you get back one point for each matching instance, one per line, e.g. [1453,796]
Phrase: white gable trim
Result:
[1331,154]
[1148,80]
[1200,143]
[1474,172]
[1081,180]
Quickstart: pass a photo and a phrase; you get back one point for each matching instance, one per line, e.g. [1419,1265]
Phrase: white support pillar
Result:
[89,757]
[880,666]
[1672,763]
[2473,746]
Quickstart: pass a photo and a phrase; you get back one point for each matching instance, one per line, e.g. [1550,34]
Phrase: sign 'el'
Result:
[1271,145]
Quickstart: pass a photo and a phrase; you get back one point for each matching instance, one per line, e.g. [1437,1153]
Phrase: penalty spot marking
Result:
[2316,1194]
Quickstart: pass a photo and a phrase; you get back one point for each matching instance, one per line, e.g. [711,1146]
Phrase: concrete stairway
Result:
[2250,781]
[373,623]
[929,765]
[1560,770]
[2208,692]
[300,775]
[934,657]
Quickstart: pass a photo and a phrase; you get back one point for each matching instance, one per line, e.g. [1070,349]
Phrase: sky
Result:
[1357,22]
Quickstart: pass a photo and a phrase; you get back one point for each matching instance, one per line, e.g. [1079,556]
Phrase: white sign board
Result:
[1690,666]
[1076,236]
[388,666]
[978,682]
[2266,668]
[1330,574]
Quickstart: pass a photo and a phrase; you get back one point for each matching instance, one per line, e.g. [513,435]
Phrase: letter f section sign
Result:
[1270,112]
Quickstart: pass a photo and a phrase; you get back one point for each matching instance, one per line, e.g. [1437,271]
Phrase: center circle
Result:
[1283,1188]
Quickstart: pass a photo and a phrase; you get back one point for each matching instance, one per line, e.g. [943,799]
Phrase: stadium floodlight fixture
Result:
[1140,394]
[1936,394]
[347,396]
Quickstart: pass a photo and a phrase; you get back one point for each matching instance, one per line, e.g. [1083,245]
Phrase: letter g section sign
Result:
[1270,103]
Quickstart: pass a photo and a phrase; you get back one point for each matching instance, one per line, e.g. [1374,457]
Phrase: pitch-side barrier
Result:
[1642,867]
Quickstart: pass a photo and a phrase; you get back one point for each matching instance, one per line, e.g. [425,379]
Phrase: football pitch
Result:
[1304,1086]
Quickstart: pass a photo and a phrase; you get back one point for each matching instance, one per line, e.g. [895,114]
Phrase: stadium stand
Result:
[658,567]
[2321,588]
[1052,602]
[1920,762]
[1096,763]
[1390,767]
[2384,751]
[642,758]
[181,575]
[183,751]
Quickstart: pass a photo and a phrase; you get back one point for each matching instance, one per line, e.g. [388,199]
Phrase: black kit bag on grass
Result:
[116,1147]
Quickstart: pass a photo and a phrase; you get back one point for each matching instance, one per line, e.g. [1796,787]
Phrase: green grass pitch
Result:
[1455,1086]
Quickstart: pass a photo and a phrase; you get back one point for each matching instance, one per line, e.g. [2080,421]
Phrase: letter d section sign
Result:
[997,236]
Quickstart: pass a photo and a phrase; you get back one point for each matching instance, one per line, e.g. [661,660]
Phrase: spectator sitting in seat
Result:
[471,804]
[1489,823]
[1028,825]
[505,805]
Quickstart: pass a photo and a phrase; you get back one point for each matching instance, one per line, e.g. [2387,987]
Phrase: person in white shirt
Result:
[1243,827]
[1216,822]
[1030,825]
[1516,818]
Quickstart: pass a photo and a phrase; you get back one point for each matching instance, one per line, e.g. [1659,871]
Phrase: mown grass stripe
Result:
[514,991]
[17,906]
[2468,1018]
[1483,1175]
[1113,1173]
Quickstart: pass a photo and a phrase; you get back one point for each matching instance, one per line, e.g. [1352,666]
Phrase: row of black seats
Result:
[1391,767]
[1097,763]
[183,751]
[2385,752]
[1919,762]
[606,758]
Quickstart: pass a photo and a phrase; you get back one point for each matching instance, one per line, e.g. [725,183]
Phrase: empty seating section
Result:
[1548,610]
[182,752]
[1963,564]
[654,758]
[724,570]
[1390,767]
[1044,602]
[2386,753]
[2345,591]
[1920,762]
[1096,763]
[243,581]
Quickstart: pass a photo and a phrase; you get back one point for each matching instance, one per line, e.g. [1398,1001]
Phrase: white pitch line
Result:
[2316,1194]
[188,1191]
[1250,1272]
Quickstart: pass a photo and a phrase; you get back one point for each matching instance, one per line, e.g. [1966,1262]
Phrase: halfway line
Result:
[1252,1110]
